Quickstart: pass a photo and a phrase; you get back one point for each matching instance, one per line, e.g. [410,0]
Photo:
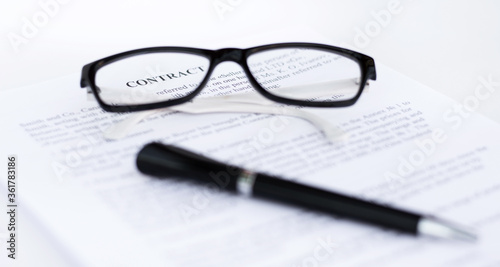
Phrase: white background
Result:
[448,45]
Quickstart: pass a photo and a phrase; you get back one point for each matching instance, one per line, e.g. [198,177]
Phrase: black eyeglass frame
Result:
[239,56]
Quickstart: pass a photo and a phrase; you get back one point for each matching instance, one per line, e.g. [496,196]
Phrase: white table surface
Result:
[447,45]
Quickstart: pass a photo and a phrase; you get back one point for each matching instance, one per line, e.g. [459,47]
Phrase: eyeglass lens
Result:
[306,74]
[151,78]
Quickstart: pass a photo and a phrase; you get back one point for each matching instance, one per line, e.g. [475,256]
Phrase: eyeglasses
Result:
[302,74]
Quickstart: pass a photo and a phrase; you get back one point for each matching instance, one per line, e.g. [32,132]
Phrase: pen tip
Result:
[439,228]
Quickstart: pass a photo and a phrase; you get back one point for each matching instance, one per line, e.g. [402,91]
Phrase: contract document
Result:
[405,145]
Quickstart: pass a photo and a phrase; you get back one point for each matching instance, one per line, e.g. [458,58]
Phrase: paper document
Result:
[407,146]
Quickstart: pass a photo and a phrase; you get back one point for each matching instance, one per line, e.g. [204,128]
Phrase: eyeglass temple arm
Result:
[301,91]
[248,102]
[121,129]
[332,132]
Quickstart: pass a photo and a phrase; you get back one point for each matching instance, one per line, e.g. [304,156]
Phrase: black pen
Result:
[169,161]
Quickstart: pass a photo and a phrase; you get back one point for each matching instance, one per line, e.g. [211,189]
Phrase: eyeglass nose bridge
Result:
[228,54]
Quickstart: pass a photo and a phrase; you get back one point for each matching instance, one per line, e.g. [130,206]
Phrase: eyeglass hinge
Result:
[90,94]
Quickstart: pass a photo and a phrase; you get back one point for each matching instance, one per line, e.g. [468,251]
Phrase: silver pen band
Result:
[245,182]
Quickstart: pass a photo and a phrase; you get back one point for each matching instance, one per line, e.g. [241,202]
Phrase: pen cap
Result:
[161,160]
